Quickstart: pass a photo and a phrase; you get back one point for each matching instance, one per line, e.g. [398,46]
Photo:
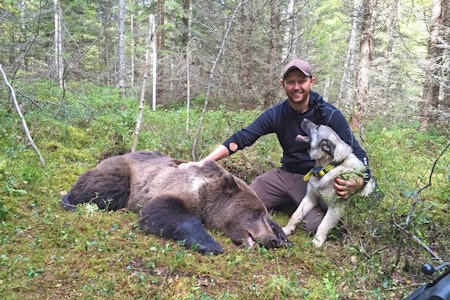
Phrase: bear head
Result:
[231,206]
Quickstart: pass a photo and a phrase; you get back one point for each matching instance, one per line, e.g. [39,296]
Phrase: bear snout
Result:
[273,242]
[269,242]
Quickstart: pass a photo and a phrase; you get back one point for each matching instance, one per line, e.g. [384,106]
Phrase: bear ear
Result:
[229,184]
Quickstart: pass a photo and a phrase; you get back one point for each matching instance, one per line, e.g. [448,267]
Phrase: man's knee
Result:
[312,220]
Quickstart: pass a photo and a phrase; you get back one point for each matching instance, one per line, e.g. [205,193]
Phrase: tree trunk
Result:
[154,60]
[246,47]
[365,54]
[392,35]
[346,92]
[188,9]
[435,90]
[186,20]
[150,42]
[59,65]
[272,84]
[133,49]
[161,33]
[121,50]
[288,50]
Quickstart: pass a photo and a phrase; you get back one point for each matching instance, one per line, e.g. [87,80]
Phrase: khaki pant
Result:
[278,188]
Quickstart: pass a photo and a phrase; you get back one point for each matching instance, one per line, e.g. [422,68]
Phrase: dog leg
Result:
[308,203]
[330,220]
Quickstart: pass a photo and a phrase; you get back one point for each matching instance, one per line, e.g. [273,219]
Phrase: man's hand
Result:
[344,188]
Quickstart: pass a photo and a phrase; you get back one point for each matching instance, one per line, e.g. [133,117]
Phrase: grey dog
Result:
[333,158]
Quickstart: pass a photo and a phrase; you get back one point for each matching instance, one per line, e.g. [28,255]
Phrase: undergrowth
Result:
[46,252]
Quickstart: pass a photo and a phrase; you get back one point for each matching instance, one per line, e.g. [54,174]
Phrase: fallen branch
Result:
[411,211]
[418,241]
[34,101]
[416,195]
[24,124]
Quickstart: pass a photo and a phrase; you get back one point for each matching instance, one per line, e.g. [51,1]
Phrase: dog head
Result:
[325,145]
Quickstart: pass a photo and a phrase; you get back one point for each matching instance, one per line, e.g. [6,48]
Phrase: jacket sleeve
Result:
[247,136]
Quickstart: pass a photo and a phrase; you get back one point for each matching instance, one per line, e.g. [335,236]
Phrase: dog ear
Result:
[328,147]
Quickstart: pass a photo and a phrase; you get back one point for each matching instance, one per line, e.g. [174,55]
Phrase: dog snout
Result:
[307,125]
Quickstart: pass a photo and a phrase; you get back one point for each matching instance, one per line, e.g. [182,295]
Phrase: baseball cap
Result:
[300,64]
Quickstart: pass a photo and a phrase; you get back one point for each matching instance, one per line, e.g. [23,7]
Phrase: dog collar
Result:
[321,171]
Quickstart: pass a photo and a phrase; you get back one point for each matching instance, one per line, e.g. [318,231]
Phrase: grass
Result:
[48,253]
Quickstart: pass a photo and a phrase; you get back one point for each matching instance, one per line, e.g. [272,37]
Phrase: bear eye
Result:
[258,214]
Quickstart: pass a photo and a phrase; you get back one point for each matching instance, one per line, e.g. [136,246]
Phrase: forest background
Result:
[79,75]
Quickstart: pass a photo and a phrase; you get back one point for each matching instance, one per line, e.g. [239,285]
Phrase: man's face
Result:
[297,86]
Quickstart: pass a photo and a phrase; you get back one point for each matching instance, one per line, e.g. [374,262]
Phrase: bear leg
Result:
[107,185]
[167,216]
[65,203]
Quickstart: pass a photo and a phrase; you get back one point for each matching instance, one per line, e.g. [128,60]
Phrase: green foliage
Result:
[89,253]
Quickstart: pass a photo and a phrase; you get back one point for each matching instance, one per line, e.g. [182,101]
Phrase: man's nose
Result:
[297,86]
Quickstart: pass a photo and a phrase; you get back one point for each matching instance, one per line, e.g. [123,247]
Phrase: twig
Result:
[24,124]
[34,101]
[211,75]
[425,246]
[413,207]
[22,56]
[416,196]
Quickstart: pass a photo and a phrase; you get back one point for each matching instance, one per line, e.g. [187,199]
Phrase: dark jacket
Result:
[285,122]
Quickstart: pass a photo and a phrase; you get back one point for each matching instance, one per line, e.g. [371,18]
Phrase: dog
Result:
[333,158]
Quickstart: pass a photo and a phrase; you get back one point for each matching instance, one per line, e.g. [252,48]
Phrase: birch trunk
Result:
[144,82]
[22,118]
[133,46]
[288,50]
[121,50]
[59,66]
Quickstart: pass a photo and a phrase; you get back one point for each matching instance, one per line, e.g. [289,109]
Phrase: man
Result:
[285,185]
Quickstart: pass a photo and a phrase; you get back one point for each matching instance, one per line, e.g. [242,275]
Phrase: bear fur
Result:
[178,203]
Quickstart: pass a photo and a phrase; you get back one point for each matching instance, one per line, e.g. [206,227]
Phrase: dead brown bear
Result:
[177,203]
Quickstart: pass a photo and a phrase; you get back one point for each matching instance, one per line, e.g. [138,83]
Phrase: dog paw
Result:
[317,244]
[287,230]
[319,241]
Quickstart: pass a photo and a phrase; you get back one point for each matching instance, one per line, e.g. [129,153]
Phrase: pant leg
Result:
[272,188]
[279,187]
